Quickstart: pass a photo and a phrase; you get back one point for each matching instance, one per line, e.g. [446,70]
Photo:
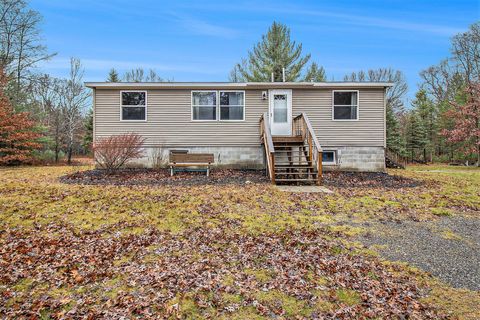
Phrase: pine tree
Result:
[315,73]
[415,134]
[427,113]
[113,76]
[395,140]
[273,53]
[88,137]
[18,132]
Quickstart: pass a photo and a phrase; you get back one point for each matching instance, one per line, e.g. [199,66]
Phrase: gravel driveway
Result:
[448,248]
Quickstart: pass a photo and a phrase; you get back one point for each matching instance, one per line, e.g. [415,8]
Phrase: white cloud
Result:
[62,63]
[341,18]
[200,27]
[363,20]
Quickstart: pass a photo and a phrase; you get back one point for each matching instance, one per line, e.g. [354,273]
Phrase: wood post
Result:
[319,168]
[272,168]
[310,149]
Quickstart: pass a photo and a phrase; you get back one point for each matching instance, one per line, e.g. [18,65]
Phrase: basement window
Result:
[133,106]
[345,105]
[328,157]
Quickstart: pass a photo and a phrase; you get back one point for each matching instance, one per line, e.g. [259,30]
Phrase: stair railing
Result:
[266,136]
[396,158]
[302,127]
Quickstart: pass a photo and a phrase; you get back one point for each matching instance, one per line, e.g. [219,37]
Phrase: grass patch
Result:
[291,306]
[348,297]
[261,275]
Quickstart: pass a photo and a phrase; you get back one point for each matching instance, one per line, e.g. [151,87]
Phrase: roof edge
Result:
[233,84]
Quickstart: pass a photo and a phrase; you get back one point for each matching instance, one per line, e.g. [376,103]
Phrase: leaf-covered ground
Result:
[226,250]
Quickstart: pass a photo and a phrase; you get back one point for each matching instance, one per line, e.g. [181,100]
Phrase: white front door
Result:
[280,112]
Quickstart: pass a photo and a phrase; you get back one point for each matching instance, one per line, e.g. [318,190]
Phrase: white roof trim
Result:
[146,85]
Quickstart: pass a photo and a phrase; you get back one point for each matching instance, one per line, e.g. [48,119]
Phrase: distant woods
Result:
[43,118]
[47,115]
[442,123]
[135,75]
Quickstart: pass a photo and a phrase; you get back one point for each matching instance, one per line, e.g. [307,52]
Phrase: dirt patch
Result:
[162,177]
[368,180]
[229,176]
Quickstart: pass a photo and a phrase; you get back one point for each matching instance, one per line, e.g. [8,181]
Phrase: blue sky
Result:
[202,40]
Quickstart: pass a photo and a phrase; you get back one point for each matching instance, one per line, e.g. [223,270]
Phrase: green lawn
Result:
[214,251]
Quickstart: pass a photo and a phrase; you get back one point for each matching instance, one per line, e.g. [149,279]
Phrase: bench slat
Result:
[180,158]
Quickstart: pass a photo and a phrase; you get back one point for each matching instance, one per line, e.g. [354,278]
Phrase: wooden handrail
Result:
[266,131]
[305,129]
[311,132]
[266,135]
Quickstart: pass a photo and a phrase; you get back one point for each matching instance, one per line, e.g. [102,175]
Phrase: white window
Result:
[345,105]
[232,105]
[133,106]
[204,105]
[329,157]
[218,105]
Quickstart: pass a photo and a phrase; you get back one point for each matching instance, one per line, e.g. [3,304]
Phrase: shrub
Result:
[113,152]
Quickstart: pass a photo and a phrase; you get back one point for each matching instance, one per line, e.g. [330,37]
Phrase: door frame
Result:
[288,92]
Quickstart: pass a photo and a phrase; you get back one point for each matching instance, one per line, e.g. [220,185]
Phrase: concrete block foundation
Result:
[370,159]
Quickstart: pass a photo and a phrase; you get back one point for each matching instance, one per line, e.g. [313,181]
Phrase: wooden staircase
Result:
[293,163]
[294,159]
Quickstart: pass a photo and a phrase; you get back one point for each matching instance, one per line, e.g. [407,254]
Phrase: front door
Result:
[280,112]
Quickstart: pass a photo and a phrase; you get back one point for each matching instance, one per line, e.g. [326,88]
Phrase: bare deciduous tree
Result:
[442,81]
[20,42]
[395,95]
[47,93]
[452,75]
[466,53]
[139,75]
[73,99]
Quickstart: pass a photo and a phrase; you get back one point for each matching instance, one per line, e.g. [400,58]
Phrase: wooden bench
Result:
[191,160]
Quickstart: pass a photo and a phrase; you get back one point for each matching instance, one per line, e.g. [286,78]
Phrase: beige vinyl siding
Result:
[368,131]
[169,119]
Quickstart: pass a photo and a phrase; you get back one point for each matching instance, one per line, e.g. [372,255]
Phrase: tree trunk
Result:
[56,152]
[57,142]
[70,151]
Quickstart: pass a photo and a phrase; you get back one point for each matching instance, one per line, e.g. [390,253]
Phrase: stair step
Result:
[295,139]
[293,167]
[293,155]
[286,164]
[294,173]
[296,180]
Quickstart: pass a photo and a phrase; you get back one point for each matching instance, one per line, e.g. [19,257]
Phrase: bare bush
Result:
[157,157]
[113,152]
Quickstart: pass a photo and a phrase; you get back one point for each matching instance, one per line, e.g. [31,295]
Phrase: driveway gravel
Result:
[448,248]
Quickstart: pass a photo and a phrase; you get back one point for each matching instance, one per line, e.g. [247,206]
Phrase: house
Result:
[341,123]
